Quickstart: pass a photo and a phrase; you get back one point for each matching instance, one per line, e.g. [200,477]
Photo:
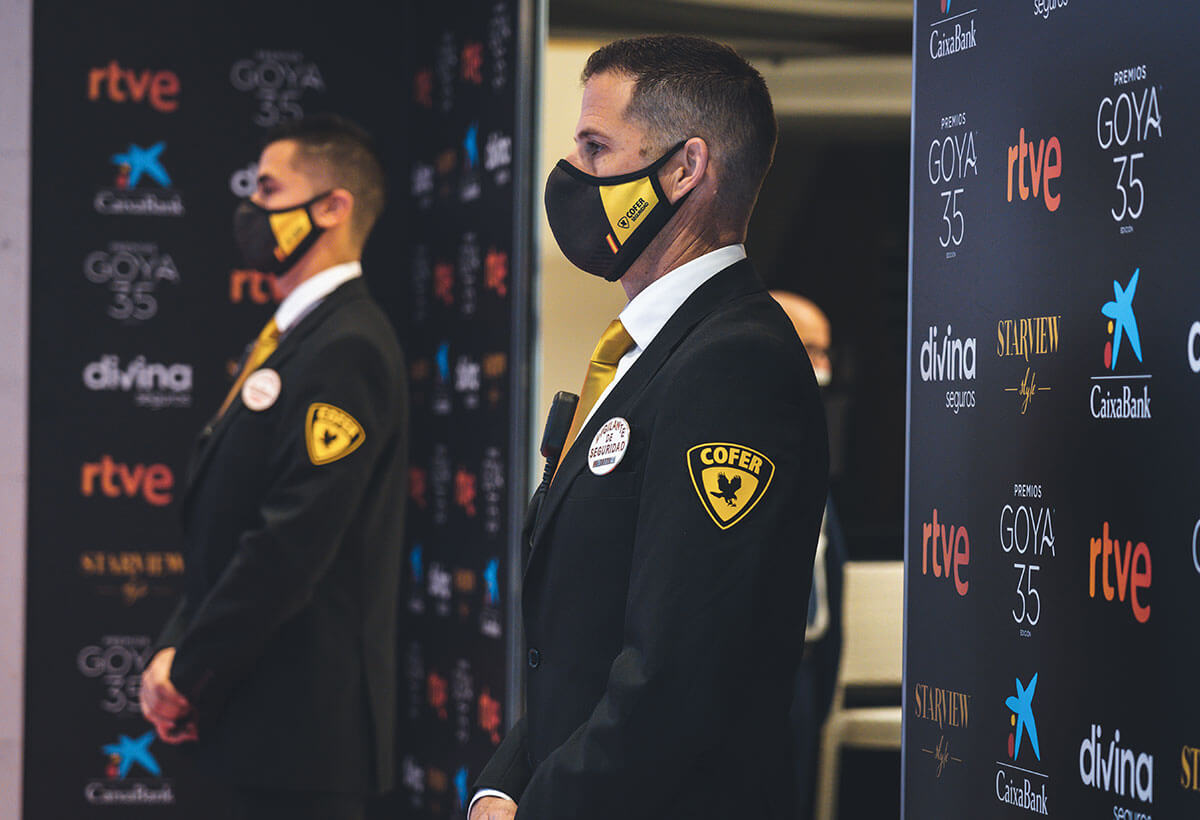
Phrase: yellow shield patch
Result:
[331,433]
[729,478]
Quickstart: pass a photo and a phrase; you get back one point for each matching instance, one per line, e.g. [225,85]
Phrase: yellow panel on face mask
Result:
[290,228]
[626,205]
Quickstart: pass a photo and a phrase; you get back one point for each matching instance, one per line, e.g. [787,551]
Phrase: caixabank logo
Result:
[1018,783]
[140,184]
[953,31]
[1118,394]
[132,775]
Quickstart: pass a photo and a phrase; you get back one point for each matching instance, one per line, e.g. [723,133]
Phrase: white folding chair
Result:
[872,640]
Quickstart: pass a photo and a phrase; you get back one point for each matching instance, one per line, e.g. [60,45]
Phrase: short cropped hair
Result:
[345,155]
[694,87]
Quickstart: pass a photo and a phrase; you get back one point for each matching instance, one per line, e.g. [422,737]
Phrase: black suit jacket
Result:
[663,640]
[286,634]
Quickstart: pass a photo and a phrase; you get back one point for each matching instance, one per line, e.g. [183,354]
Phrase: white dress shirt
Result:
[643,318]
[311,292]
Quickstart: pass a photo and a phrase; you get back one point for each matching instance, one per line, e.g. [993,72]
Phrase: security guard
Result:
[279,665]
[671,556]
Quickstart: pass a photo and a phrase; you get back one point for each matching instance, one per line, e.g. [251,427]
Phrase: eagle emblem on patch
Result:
[331,433]
[729,479]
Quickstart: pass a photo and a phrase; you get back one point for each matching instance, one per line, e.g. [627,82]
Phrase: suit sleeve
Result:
[303,516]
[508,770]
[703,613]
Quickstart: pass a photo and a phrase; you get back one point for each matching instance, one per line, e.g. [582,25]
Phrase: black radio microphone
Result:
[558,425]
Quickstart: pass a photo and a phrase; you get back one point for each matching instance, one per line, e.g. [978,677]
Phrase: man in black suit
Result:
[278,667]
[671,555]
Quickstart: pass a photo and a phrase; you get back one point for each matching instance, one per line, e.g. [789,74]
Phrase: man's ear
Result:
[686,170]
[334,209]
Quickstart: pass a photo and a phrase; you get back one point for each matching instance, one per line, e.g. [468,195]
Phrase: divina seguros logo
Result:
[1118,771]
[949,359]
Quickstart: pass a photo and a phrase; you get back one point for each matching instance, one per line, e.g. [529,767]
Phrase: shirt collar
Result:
[647,312]
[309,293]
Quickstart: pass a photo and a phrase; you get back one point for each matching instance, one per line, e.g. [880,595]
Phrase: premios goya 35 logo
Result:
[1017,783]
[1116,396]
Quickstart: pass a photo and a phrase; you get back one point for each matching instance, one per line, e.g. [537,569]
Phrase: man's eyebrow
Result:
[588,133]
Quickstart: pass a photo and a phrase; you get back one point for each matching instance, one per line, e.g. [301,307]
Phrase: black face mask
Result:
[273,241]
[602,224]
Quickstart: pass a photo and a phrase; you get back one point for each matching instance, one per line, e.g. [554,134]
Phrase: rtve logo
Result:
[951,551]
[254,286]
[153,482]
[1045,165]
[158,88]
[1131,572]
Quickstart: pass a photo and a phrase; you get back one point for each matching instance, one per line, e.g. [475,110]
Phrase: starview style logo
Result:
[953,32]
[948,710]
[1027,338]
[1013,783]
[125,757]
[1115,396]
[141,185]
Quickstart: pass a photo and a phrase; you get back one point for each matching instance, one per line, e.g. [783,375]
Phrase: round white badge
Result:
[608,447]
[261,389]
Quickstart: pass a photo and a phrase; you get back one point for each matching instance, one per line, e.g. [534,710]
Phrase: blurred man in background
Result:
[817,677]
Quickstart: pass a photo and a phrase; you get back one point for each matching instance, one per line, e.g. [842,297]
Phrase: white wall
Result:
[16,26]
[574,307]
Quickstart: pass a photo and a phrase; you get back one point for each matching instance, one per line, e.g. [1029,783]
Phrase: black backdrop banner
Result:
[1052,555]
[147,119]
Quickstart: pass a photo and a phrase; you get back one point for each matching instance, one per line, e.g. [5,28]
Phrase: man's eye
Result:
[593,148]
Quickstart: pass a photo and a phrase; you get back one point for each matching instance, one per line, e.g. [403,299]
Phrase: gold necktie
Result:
[614,344]
[264,346]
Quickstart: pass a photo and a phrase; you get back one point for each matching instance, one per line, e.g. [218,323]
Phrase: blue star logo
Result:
[1123,323]
[460,786]
[137,161]
[1022,713]
[443,361]
[471,145]
[129,751]
[416,561]
[491,576]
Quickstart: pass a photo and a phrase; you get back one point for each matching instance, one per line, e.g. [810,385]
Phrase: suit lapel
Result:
[737,280]
[210,436]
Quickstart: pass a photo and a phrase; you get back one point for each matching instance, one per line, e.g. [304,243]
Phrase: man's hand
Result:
[493,808]
[162,704]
